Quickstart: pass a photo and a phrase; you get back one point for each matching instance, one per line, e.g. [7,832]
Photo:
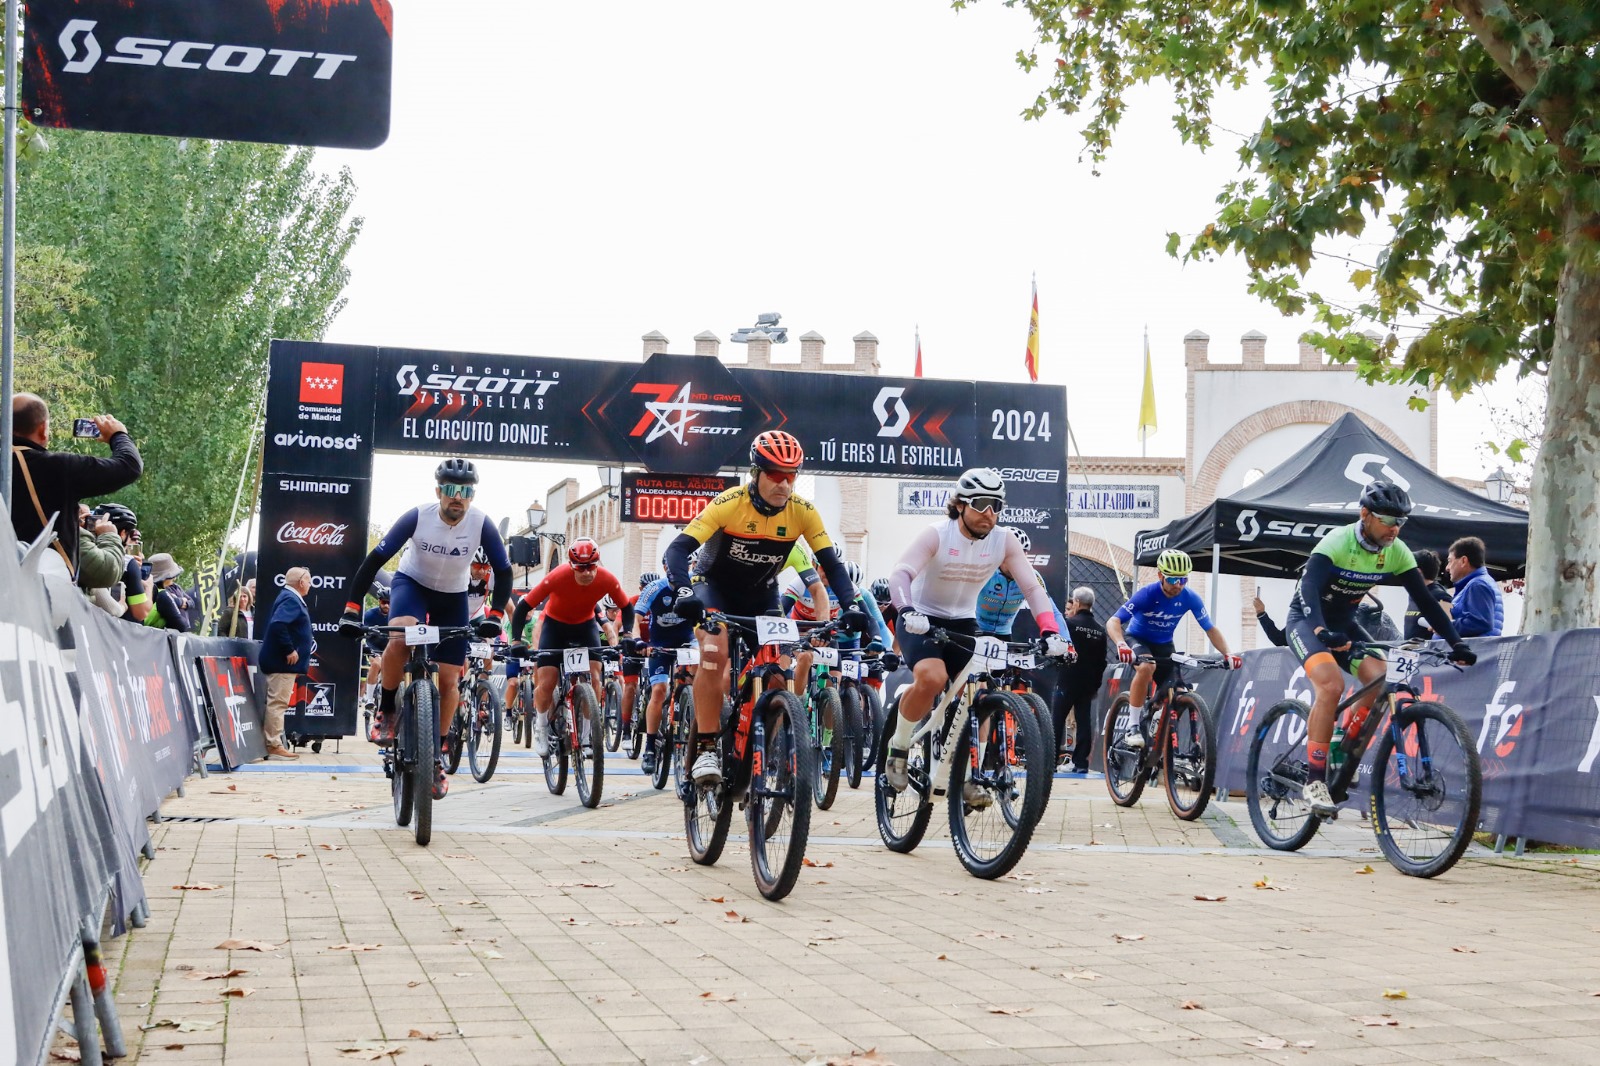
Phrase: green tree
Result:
[1465,134]
[198,253]
[50,360]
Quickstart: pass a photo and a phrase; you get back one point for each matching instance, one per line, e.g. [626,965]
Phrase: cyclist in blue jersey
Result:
[1150,616]
[998,603]
[665,631]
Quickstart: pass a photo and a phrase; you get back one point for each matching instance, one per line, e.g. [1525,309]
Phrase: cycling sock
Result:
[1317,756]
[903,729]
[386,701]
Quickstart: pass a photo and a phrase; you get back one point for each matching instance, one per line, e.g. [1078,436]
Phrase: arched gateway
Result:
[331,407]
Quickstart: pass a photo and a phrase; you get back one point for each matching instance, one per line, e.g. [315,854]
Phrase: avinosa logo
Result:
[312,441]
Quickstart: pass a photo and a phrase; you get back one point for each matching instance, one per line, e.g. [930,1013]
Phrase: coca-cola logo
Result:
[325,534]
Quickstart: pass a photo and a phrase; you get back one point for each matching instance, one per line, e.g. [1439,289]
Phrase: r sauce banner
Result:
[311,72]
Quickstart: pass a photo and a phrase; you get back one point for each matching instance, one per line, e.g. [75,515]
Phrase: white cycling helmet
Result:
[980,481]
[1022,538]
[853,569]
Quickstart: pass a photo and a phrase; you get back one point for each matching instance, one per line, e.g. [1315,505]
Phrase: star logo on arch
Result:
[670,414]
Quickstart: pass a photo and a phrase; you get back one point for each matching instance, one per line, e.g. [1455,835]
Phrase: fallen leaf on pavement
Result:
[669,921]
[238,992]
[198,886]
[574,921]
[714,899]
[66,1054]
[946,958]
[1267,1042]
[369,1050]
[214,975]
[246,945]
[1123,938]
[1082,975]
[990,934]
[284,858]
[1396,993]
[331,847]
[492,954]
[870,1057]
[719,997]
[1266,883]
[581,884]
[1465,951]
[818,865]
[1191,1004]
[1211,899]
[470,903]
[626,922]
[734,916]
[1010,1010]
[469,858]
[413,984]
[1367,869]
[422,1034]
[1376,1019]
[355,947]
[1305,1043]
[183,1025]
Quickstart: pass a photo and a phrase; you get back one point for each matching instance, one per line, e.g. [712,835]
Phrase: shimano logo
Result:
[892,421]
[326,534]
[308,440]
[332,488]
[1021,473]
[487,384]
[187,55]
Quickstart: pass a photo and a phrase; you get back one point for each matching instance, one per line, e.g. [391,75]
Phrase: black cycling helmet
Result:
[120,516]
[456,472]
[1385,497]
[648,578]
[382,592]
[880,590]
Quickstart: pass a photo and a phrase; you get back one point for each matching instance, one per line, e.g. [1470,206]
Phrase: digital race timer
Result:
[668,499]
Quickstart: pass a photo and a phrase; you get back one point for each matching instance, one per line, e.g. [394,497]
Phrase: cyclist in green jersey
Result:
[1321,627]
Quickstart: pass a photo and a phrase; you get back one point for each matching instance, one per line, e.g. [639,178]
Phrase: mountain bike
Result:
[1425,783]
[477,725]
[577,733]
[766,759]
[976,747]
[519,699]
[612,682]
[408,762]
[1015,677]
[1179,736]
[675,731]
[830,726]
[627,730]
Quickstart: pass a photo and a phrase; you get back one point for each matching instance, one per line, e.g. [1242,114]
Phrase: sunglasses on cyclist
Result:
[458,492]
[781,477]
[1391,520]
[585,568]
[987,504]
[1175,579]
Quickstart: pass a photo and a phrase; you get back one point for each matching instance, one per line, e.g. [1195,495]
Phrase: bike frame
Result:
[1160,702]
[956,718]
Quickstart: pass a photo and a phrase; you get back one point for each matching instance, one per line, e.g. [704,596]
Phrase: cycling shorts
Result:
[1301,638]
[763,599]
[631,667]
[410,598]
[663,661]
[1160,652]
[915,647]
[513,667]
[555,636]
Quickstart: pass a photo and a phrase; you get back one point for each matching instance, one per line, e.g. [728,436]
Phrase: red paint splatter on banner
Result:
[301,11]
[47,98]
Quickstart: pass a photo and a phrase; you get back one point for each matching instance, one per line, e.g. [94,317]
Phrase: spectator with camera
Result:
[100,553]
[134,590]
[51,483]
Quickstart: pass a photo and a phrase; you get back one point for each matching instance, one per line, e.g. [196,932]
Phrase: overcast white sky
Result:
[562,178]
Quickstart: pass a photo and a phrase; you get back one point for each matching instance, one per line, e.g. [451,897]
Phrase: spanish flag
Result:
[1147,402]
[919,352]
[1031,359]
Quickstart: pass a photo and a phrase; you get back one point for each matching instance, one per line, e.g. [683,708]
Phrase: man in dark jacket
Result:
[1478,609]
[58,480]
[1079,680]
[286,647]
[1417,627]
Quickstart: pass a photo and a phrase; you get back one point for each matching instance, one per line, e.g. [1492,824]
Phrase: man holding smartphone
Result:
[45,483]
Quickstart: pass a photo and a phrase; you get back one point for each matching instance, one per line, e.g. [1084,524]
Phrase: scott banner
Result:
[313,72]
[1531,705]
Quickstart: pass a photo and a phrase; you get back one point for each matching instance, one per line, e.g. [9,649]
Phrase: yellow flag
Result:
[1147,402]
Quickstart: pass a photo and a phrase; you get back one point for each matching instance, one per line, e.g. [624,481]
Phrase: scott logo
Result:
[156,51]
[677,415]
[326,534]
[888,427]
[1249,528]
[490,384]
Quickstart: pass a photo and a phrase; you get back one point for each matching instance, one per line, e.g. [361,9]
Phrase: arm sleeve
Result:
[1318,573]
[916,557]
[1124,614]
[495,549]
[398,534]
[624,605]
[1197,607]
[879,628]
[93,476]
[832,564]
[676,559]
[1032,585]
[1435,614]
[1273,631]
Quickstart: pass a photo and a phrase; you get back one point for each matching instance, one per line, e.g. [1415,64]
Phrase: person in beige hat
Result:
[286,648]
[170,601]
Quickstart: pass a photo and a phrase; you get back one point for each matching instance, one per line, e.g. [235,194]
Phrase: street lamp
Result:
[1498,486]
[536,515]
[610,478]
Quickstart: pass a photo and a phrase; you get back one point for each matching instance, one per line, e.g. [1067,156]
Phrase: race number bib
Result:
[771,630]
[1022,660]
[989,653]
[852,669]
[688,656]
[480,650]
[575,661]
[827,656]
[610,668]
[1403,666]
[422,635]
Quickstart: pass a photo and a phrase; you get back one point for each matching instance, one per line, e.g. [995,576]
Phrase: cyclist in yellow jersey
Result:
[744,537]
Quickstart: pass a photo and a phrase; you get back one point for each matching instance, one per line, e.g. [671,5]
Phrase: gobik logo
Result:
[183,55]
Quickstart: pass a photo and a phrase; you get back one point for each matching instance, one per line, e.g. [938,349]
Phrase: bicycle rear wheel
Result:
[871,725]
[779,812]
[1124,766]
[1426,789]
[588,757]
[903,816]
[636,718]
[613,714]
[1047,731]
[850,698]
[424,738]
[1274,776]
[828,716]
[555,759]
[1189,761]
[988,841]
[483,731]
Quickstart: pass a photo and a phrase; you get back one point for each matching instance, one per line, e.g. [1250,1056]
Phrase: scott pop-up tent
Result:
[1267,529]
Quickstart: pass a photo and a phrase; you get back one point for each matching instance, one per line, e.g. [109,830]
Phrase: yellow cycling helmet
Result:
[1175,563]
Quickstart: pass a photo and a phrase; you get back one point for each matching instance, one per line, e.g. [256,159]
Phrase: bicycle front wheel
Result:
[828,717]
[424,737]
[588,757]
[484,732]
[613,715]
[1047,732]
[779,812]
[1189,761]
[682,735]
[871,725]
[454,741]
[555,757]
[636,719]
[1275,774]
[1124,766]
[1427,785]
[994,801]
[850,699]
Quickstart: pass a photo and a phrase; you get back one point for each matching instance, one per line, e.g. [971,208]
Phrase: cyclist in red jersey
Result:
[569,594]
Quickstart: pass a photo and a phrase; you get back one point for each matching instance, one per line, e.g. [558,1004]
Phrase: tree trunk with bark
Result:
[1564,517]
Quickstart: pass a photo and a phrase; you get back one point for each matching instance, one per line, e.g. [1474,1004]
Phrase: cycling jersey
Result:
[477,593]
[439,556]
[1152,616]
[570,603]
[943,570]
[998,603]
[1355,569]
[797,597]
[741,547]
[666,629]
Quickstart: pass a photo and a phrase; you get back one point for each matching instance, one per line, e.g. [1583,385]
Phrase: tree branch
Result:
[1524,71]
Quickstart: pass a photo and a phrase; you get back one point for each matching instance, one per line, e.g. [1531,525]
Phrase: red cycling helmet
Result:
[776,449]
[584,552]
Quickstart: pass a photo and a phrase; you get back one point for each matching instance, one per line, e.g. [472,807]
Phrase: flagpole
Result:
[8,245]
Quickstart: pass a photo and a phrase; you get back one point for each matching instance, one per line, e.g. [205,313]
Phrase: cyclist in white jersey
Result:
[937,582]
[431,586]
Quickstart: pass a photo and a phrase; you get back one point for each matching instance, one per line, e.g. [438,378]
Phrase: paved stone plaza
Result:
[535,931]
